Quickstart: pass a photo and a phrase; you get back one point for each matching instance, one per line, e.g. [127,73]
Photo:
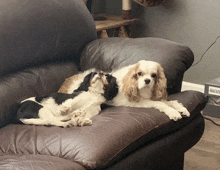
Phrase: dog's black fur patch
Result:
[84,86]
[59,98]
[112,89]
[29,109]
[39,99]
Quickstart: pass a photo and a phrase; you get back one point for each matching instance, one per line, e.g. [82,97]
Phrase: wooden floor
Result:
[205,155]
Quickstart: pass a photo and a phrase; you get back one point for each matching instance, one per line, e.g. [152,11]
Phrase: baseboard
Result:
[192,86]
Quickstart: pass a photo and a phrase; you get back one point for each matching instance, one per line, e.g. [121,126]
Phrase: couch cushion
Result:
[115,132]
[113,53]
[36,162]
[34,32]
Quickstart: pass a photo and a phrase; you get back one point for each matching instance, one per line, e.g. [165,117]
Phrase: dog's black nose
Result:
[147,81]
[101,73]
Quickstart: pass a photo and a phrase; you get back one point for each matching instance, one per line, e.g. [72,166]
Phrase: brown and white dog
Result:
[144,85]
[140,85]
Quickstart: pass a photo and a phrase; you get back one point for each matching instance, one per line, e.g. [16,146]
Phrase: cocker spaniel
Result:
[144,85]
[65,110]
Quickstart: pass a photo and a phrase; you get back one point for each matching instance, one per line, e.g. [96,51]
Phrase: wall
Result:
[195,23]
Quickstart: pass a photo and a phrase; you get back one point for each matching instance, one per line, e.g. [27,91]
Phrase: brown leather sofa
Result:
[44,42]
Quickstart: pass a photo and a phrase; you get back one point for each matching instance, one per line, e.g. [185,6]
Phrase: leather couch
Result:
[45,42]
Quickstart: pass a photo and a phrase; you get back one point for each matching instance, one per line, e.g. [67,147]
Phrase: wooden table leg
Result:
[123,32]
[104,34]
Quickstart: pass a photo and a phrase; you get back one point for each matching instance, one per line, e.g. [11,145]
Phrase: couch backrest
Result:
[40,45]
[114,53]
[37,31]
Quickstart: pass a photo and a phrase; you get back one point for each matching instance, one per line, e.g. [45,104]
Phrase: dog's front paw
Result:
[184,112]
[174,115]
[81,121]
[88,122]
[73,121]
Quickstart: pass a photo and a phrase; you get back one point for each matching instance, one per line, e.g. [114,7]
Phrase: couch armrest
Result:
[115,133]
[113,53]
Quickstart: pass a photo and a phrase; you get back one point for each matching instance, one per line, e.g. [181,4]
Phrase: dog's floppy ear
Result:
[160,87]
[111,89]
[84,86]
[130,85]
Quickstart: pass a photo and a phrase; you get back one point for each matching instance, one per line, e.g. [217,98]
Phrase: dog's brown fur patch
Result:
[160,87]
[129,87]
[67,83]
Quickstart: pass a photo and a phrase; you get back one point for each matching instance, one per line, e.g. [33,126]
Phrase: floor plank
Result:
[205,155]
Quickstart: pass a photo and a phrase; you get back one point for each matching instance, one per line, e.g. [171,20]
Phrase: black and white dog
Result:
[66,110]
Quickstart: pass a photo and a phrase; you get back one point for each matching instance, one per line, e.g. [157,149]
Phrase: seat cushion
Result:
[115,132]
[114,53]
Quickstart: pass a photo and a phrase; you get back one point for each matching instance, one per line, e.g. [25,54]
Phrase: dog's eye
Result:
[140,73]
[153,75]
